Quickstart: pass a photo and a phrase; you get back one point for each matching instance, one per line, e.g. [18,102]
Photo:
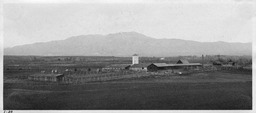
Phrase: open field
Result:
[226,89]
[211,90]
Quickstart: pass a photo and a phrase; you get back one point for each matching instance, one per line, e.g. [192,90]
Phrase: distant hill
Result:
[126,44]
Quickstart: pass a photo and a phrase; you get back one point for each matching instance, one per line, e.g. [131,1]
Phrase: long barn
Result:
[179,66]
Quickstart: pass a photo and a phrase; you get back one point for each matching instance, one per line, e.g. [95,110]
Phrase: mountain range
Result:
[126,44]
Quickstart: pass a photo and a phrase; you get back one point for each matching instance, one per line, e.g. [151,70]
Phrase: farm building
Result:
[231,63]
[116,67]
[159,66]
[47,77]
[139,67]
[184,64]
[135,59]
[217,63]
[134,66]
[182,61]
[181,65]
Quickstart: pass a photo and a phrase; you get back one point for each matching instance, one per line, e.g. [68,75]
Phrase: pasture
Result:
[218,90]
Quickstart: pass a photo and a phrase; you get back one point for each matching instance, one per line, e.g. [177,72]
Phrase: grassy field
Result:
[203,91]
[218,90]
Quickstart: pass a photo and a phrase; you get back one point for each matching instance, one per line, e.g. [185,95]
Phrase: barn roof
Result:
[163,64]
[172,65]
[140,65]
[182,61]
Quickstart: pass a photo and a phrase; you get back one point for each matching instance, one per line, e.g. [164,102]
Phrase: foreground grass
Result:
[201,91]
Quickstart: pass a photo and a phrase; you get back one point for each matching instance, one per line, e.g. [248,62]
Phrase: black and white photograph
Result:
[164,55]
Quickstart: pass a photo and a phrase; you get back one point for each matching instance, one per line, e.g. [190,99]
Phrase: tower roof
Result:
[135,55]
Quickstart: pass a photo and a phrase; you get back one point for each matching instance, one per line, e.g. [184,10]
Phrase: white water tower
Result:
[135,59]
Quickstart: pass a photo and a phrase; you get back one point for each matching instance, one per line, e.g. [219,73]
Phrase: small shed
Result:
[47,77]
[217,63]
[231,63]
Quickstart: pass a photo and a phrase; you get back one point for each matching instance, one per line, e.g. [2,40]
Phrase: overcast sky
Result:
[26,23]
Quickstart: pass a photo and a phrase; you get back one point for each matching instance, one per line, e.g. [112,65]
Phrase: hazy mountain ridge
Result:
[126,44]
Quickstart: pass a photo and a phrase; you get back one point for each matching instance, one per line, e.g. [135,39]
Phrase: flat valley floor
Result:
[200,91]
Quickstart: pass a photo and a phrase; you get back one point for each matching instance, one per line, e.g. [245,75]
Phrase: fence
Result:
[81,78]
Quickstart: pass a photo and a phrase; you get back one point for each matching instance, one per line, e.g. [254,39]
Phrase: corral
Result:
[116,67]
[47,77]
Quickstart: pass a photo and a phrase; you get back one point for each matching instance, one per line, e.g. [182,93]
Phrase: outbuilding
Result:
[159,66]
[231,63]
[181,65]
